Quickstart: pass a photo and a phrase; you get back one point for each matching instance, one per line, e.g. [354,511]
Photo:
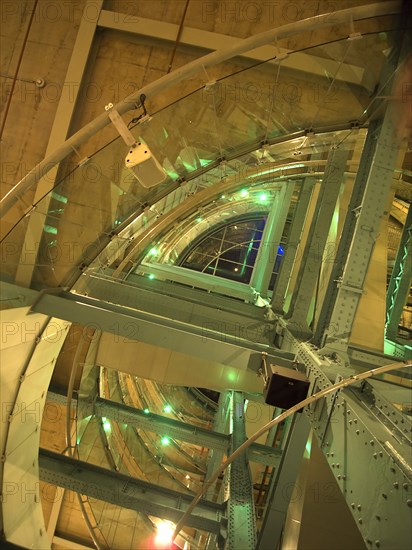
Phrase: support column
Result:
[347,231]
[379,169]
[312,256]
[241,508]
[400,283]
[221,425]
[283,483]
[291,249]
[271,237]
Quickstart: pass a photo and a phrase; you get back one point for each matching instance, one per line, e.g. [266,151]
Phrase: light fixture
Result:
[165,531]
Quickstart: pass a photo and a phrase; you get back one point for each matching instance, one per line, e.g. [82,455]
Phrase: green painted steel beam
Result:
[241,507]
[348,230]
[400,282]
[271,238]
[179,430]
[309,272]
[127,492]
[292,246]
[282,480]
[379,168]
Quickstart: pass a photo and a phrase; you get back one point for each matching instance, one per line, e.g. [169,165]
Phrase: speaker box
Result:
[286,387]
[144,165]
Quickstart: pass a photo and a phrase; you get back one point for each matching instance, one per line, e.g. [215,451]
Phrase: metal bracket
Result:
[120,125]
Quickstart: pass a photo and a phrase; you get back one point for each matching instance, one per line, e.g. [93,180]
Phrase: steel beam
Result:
[368,451]
[127,492]
[280,486]
[220,425]
[309,272]
[59,132]
[196,279]
[181,308]
[224,348]
[160,30]
[196,296]
[272,234]
[379,168]
[292,246]
[241,508]
[179,430]
[347,233]
[400,283]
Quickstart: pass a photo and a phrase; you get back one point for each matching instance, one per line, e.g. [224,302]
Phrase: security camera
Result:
[144,165]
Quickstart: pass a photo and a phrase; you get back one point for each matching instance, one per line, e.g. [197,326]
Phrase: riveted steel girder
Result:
[241,508]
[291,247]
[272,234]
[400,283]
[317,238]
[180,430]
[127,492]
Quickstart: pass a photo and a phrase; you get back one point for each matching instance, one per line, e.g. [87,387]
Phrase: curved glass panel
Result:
[72,224]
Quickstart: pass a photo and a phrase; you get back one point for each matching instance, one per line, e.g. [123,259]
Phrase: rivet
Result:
[339,476]
[396,484]
[372,442]
[375,455]
[378,518]
[352,505]
[360,520]
[359,507]
[378,543]
[409,502]
[385,495]
[357,432]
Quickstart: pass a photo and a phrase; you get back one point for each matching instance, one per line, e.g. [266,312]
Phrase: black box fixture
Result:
[285,387]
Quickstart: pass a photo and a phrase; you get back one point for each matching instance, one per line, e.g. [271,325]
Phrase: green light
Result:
[171,173]
[244,193]
[223,197]
[231,376]
[199,219]
[167,409]
[106,425]
[104,418]
[151,276]
[50,229]
[263,197]
[146,411]
[58,197]
[165,440]
[153,251]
